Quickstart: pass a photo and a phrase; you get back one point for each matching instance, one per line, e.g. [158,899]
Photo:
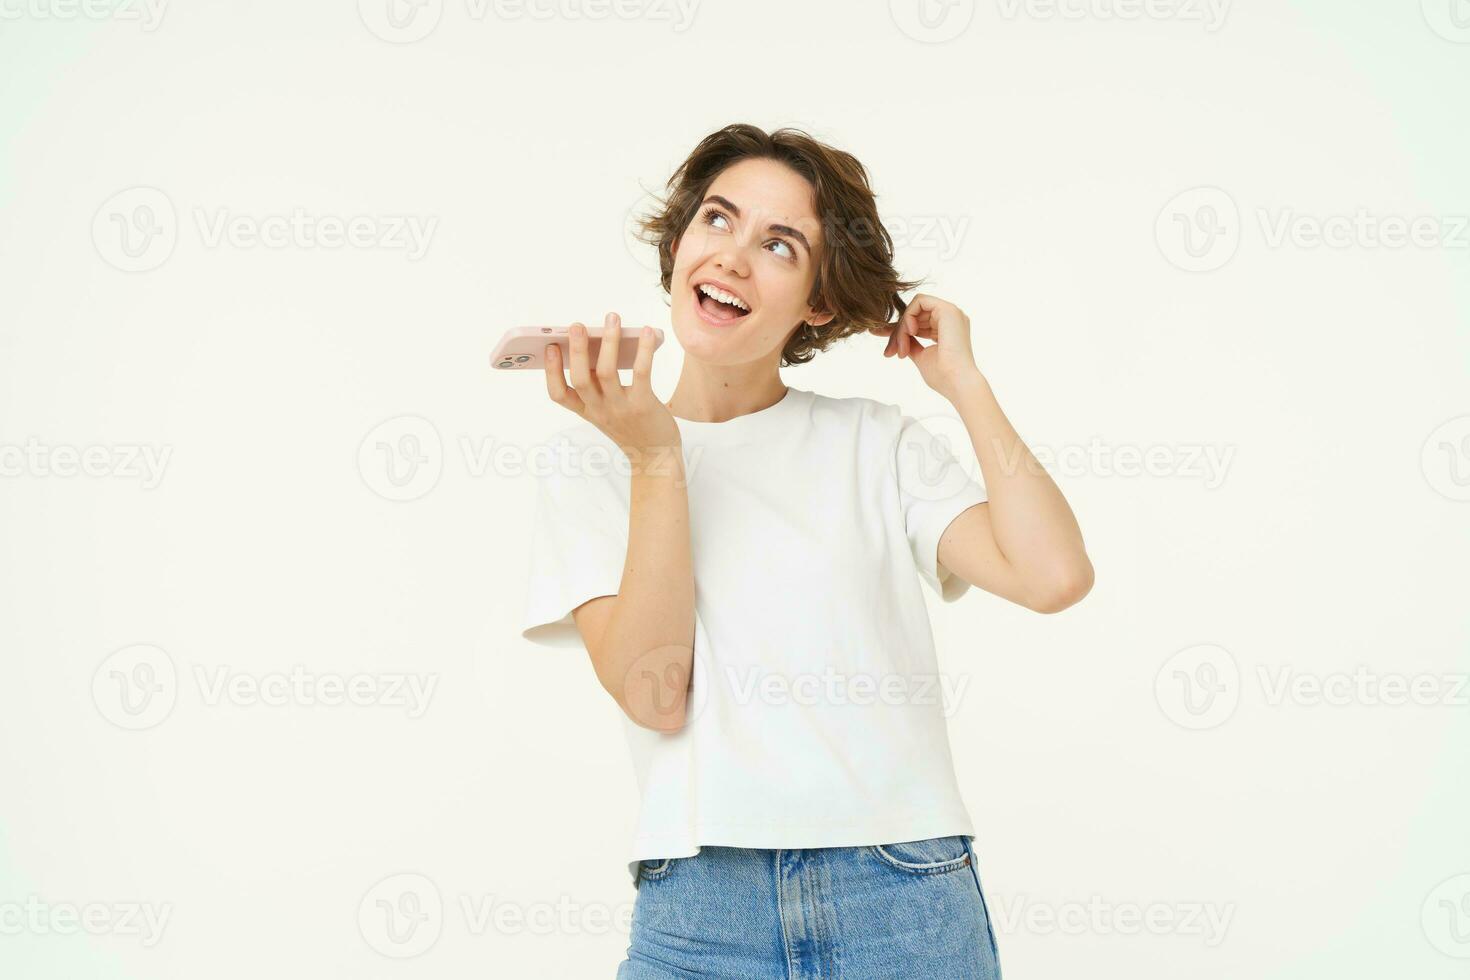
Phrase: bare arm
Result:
[1022,544]
[641,641]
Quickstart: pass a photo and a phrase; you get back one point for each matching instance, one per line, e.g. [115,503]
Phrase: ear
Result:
[820,319]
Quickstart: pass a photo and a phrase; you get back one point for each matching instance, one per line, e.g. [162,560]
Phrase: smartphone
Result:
[521,347]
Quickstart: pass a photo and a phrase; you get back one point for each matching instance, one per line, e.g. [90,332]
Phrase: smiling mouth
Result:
[717,311]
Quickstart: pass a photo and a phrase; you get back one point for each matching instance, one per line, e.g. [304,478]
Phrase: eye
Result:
[711,215]
[781,243]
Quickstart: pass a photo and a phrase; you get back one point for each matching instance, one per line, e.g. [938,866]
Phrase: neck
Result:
[704,397]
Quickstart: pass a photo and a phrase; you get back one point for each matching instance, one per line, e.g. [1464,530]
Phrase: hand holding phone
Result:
[632,416]
[524,348]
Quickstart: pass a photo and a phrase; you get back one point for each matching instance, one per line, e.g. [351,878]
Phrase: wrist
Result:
[969,387]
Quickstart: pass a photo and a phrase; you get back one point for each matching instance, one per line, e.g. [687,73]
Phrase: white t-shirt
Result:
[816,715]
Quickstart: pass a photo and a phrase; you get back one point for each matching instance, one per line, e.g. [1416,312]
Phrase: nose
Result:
[732,258]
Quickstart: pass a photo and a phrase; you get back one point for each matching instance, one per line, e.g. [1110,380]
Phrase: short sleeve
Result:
[934,488]
[579,543]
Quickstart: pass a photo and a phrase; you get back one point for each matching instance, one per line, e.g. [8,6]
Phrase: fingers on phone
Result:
[643,361]
[607,354]
[581,376]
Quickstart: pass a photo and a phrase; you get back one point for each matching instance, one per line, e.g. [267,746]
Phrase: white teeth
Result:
[722,296]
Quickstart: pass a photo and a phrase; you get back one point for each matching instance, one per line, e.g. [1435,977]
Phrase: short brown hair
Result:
[856,281]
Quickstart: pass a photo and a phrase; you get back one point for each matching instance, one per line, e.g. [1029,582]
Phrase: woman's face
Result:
[755,238]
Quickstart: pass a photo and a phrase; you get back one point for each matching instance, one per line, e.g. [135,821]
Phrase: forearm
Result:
[1032,523]
[646,653]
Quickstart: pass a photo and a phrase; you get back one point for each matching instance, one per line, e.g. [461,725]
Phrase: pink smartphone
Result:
[521,347]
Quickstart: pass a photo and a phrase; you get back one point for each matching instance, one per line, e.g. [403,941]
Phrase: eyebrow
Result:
[778,229]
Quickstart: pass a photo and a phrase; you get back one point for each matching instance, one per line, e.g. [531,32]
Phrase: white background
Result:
[1030,160]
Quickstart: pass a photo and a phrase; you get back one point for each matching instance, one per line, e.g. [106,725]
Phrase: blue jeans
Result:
[880,912]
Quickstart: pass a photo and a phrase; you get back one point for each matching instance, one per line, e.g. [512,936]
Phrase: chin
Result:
[700,340]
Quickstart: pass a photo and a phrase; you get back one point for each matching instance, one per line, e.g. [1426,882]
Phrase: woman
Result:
[746,580]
